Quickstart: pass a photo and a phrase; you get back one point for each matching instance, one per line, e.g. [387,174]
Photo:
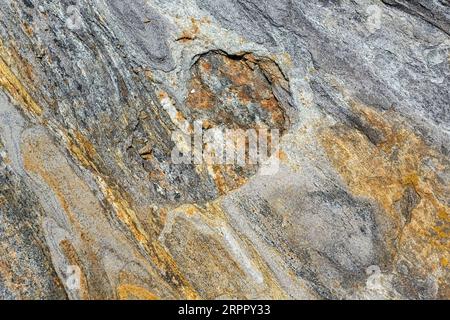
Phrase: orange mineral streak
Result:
[246,76]
[37,159]
[271,105]
[84,151]
[28,29]
[13,82]
[200,97]
[282,156]
[126,214]
[237,71]
[134,292]
[384,171]
[158,254]
[41,157]
[191,33]
[243,86]
[227,179]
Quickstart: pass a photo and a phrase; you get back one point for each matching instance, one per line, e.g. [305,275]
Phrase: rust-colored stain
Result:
[13,83]
[43,158]
[282,155]
[84,151]
[200,96]
[236,92]
[36,155]
[236,87]
[384,172]
[28,29]
[167,264]
[85,145]
[134,292]
[192,32]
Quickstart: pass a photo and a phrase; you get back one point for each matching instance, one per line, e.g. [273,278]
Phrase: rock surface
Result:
[93,207]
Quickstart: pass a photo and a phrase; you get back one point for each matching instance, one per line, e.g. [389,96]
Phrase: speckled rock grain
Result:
[91,92]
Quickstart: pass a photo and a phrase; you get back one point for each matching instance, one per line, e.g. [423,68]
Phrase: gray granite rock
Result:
[96,96]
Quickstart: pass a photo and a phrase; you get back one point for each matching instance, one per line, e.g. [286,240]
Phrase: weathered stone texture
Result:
[91,93]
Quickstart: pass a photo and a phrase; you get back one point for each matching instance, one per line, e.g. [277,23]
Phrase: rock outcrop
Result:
[96,97]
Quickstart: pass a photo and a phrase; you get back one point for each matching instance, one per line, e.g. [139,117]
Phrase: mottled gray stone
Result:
[359,90]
